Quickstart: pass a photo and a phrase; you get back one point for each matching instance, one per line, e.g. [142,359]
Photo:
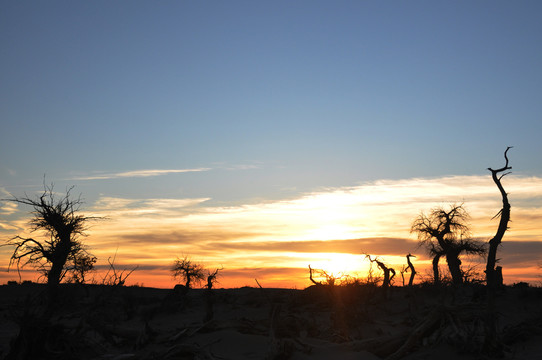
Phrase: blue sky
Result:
[264,100]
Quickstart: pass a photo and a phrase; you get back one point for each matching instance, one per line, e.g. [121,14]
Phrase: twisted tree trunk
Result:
[436,274]
[387,271]
[492,345]
[454,264]
[412,270]
[492,278]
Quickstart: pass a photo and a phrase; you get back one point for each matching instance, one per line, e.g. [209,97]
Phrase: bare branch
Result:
[187,270]
[311,278]
[58,217]
[387,271]
[412,269]
[505,167]
[492,277]
[446,233]
[212,277]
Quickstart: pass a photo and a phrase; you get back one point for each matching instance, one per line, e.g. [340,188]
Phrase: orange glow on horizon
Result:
[329,230]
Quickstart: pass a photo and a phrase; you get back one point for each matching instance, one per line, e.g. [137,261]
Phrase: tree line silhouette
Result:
[61,256]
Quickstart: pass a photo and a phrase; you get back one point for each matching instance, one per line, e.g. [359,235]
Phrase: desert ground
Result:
[320,322]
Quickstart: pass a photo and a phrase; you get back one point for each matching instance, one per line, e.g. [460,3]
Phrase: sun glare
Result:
[336,264]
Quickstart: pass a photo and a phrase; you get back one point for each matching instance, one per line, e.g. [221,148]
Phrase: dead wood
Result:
[412,269]
[381,346]
[494,275]
[491,273]
[386,270]
[430,322]
[311,277]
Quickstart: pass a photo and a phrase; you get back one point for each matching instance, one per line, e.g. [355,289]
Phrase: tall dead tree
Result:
[494,274]
[61,251]
[492,345]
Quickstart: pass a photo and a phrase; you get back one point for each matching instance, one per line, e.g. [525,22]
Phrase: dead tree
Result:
[494,279]
[62,251]
[188,270]
[330,279]
[212,278]
[311,278]
[492,273]
[412,270]
[386,270]
[445,233]
[113,277]
[403,270]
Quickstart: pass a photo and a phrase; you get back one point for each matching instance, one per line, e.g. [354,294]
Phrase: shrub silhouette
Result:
[114,277]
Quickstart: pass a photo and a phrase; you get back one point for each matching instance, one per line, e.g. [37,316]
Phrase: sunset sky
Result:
[264,136]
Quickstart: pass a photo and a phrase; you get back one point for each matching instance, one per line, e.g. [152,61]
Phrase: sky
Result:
[262,137]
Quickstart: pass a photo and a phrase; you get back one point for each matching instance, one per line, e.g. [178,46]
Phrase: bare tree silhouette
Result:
[62,251]
[311,277]
[446,233]
[188,271]
[412,269]
[494,274]
[387,271]
[114,277]
[211,280]
[330,279]
[212,277]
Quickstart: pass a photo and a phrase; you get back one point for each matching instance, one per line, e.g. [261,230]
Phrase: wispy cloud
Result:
[6,207]
[163,206]
[136,173]
[379,209]
[242,166]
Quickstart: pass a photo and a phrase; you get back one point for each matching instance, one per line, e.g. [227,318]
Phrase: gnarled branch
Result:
[491,276]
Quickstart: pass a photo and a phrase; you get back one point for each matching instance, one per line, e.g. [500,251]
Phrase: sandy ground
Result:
[358,322]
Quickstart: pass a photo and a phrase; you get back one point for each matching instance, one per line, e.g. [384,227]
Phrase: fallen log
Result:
[430,322]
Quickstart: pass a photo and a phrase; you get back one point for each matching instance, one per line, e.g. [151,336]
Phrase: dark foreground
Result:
[358,322]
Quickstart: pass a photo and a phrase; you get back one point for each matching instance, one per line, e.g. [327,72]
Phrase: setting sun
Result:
[340,264]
